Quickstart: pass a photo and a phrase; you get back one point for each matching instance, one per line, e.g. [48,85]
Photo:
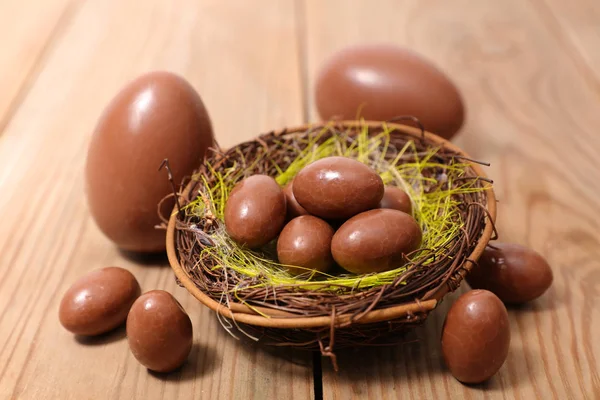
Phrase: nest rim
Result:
[280,319]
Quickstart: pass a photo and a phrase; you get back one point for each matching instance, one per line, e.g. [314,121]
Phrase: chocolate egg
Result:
[305,242]
[337,188]
[379,82]
[159,331]
[255,211]
[476,336]
[515,273]
[375,241]
[98,301]
[294,209]
[156,116]
[396,199]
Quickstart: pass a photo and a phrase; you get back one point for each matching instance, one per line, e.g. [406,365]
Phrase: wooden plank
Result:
[242,58]
[534,116]
[28,29]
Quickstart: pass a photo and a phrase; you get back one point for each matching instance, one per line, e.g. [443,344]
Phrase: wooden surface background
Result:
[530,74]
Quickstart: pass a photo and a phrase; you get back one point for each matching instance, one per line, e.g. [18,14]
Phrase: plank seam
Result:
[317,376]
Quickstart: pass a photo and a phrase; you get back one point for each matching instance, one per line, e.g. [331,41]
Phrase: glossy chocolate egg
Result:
[515,273]
[375,241]
[476,336]
[159,331]
[379,82]
[255,211]
[294,209]
[396,199]
[156,116]
[337,188]
[305,242]
[98,301]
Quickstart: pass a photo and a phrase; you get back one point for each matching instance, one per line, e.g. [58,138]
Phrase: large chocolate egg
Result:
[337,188]
[305,244]
[375,241]
[255,211]
[159,331]
[379,82]
[515,273]
[476,336]
[158,115]
[98,301]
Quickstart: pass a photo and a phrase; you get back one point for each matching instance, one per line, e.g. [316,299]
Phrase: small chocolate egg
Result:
[379,82]
[159,331]
[305,242]
[294,209]
[396,199]
[375,241]
[514,273]
[476,336]
[98,301]
[255,211]
[337,188]
[158,115]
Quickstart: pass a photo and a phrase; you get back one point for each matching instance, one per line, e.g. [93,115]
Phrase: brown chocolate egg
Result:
[476,336]
[337,188]
[98,301]
[379,82]
[375,241]
[396,199]
[159,331]
[255,211]
[305,244]
[514,273]
[294,209]
[158,115]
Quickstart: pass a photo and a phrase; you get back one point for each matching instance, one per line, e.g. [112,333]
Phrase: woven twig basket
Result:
[383,314]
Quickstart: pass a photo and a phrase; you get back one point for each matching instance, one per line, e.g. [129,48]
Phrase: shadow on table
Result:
[202,361]
[547,302]
[109,337]
[290,355]
[158,259]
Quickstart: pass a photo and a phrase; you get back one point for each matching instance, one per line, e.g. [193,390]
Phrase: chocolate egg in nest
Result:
[453,209]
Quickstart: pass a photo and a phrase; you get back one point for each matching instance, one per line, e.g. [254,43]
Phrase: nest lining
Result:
[448,202]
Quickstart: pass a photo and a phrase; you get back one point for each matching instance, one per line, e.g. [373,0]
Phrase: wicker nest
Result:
[309,318]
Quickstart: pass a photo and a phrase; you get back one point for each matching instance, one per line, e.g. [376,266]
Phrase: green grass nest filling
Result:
[448,203]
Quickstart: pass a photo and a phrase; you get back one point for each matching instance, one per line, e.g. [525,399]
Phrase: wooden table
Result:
[530,74]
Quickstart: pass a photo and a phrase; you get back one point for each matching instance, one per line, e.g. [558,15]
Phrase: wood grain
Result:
[28,30]
[533,115]
[577,30]
[528,72]
[243,60]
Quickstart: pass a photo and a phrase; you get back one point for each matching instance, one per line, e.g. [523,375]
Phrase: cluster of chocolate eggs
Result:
[159,331]
[375,229]
[335,211]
